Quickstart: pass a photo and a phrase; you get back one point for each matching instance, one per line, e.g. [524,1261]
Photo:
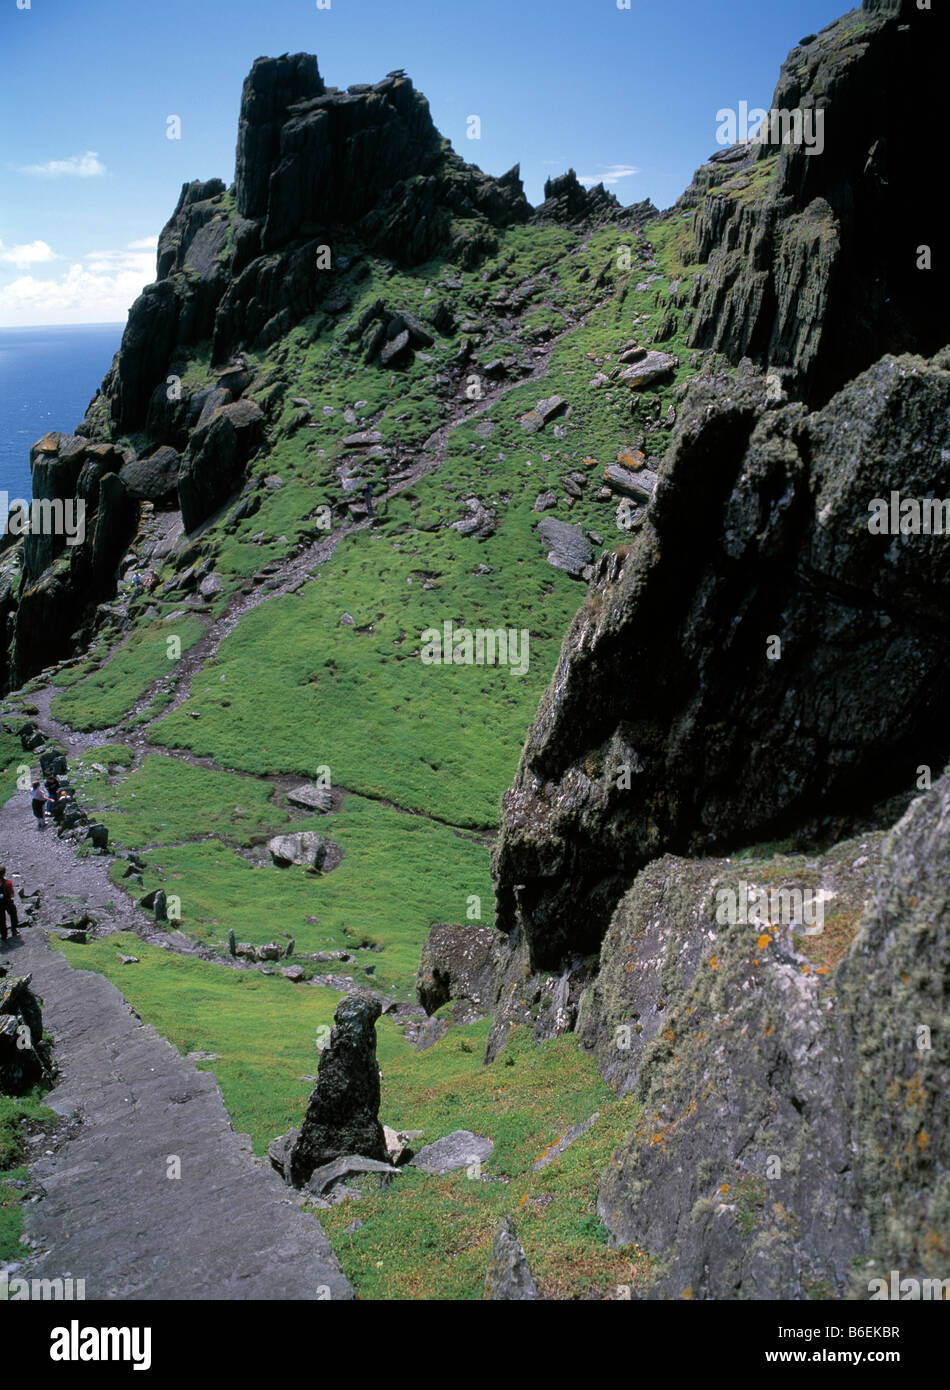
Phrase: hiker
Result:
[7,906]
[38,803]
[52,785]
[368,495]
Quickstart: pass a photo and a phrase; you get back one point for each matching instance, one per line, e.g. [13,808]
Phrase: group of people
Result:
[48,798]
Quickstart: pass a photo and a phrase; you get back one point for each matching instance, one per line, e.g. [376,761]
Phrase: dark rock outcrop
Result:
[24,1056]
[566,201]
[812,264]
[673,721]
[218,455]
[343,1111]
[153,479]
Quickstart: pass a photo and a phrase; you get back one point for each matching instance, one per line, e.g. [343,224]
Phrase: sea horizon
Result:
[48,375]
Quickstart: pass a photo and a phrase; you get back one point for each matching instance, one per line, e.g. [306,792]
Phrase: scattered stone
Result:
[566,1140]
[127,960]
[294,973]
[652,367]
[350,1165]
[568,547]
[311,797]
[545,501]
[459,1149]
[364,439]
[545,410]
[509,1276]
[640,486]
[481,521]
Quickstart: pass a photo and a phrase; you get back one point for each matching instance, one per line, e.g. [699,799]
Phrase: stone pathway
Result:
[109,1212]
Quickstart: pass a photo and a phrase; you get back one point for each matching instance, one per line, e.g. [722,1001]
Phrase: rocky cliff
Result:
[814,247]
[324,180]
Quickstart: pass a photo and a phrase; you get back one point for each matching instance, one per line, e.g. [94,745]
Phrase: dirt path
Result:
[111,1212]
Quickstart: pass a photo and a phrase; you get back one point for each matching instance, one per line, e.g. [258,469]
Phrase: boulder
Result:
[343,1111]
[311,798]
[153,479]
[540,415]
[509,1277]
[460,1149]
[24,1056]
[217,457]
[568,547]
[459,963]
[648,370]
[305,848]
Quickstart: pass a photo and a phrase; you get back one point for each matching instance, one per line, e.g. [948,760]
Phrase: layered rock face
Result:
[816,268]
[757,664]
[793,1136]
[64,573]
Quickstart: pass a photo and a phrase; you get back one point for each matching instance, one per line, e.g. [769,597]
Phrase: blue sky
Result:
[88,176]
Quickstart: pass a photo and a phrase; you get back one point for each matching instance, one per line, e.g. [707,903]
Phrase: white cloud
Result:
[99,289]
[36,253]
[614,173]
[145,243]
[81,166]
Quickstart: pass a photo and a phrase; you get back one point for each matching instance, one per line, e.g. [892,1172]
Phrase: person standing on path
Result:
[7,906]
[38,804]
[368,495]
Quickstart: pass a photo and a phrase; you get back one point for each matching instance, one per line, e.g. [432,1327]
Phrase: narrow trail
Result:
[109,1212]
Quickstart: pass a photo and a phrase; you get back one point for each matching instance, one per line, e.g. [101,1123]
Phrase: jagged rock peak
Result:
[272,85]
[566,200]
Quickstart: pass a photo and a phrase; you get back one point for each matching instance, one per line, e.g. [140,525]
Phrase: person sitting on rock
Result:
[38,805]
[7,906]
[52,785]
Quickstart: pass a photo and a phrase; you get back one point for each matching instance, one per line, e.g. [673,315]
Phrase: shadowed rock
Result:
[670,725]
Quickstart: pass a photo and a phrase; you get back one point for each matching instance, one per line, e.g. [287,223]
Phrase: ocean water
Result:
[47,378]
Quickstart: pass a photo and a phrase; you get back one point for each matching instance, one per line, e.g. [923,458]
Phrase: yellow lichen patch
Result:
[669,1034]
[724,1189]
[763,941]
[923,1139]
[714,962]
